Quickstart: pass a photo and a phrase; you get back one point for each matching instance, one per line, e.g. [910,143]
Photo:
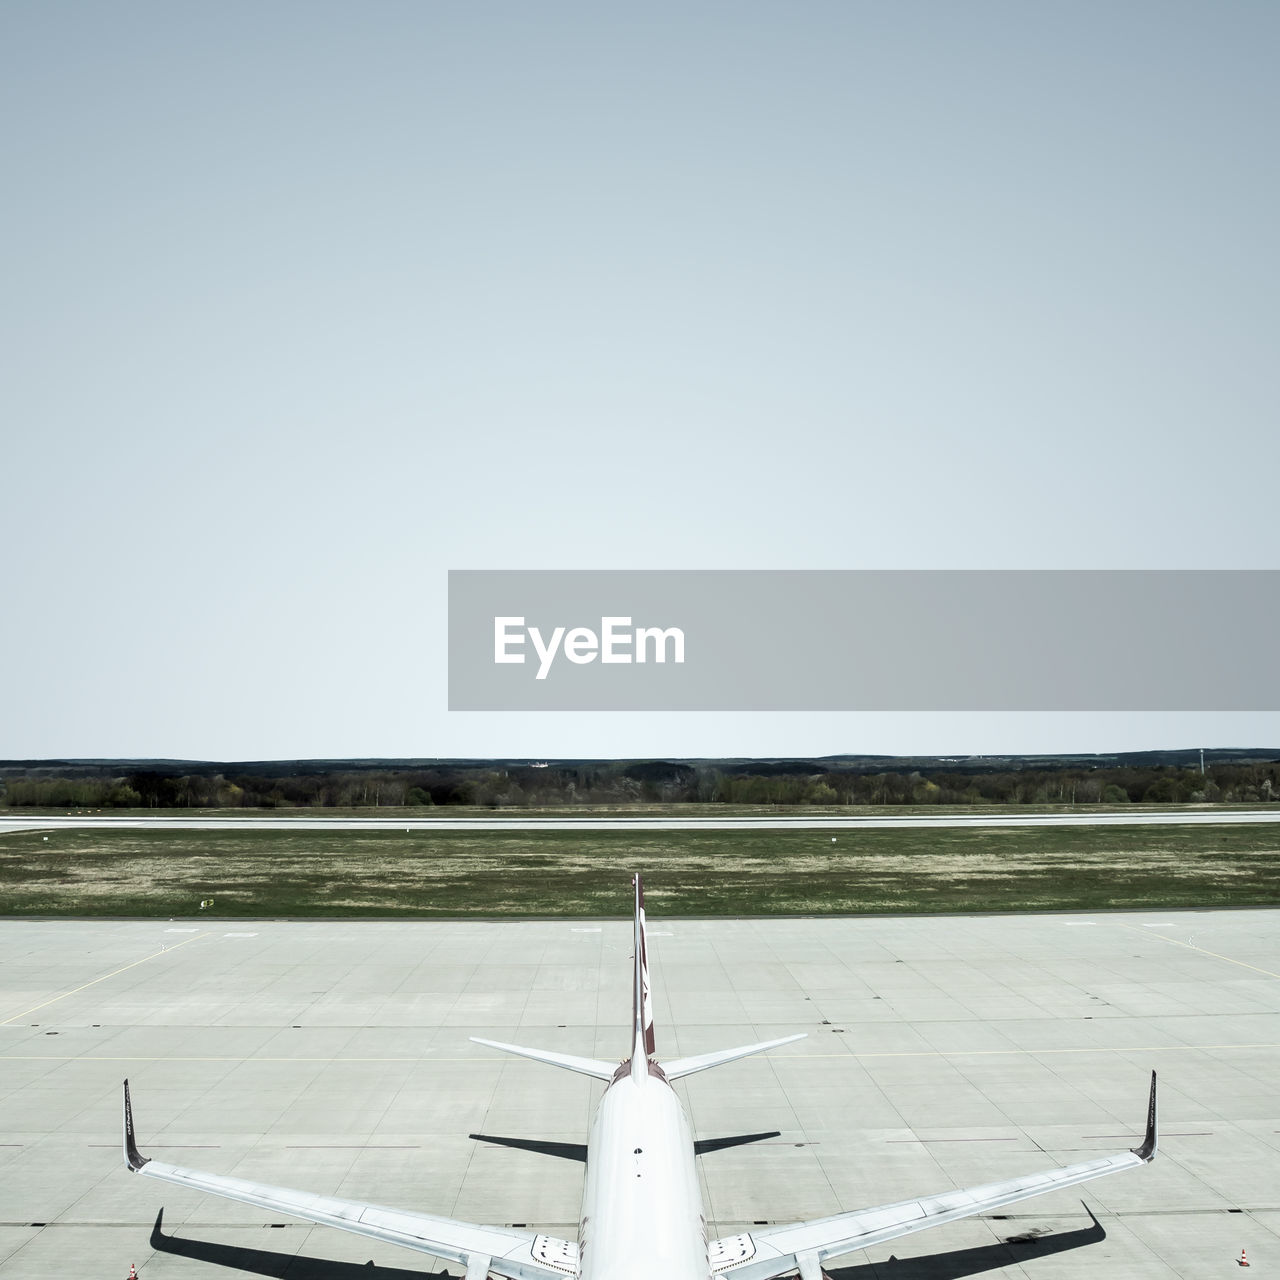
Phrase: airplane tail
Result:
[642,1035]
[642,1039]
[642,1020]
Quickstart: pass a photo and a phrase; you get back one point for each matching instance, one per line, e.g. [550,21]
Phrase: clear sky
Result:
[305,304]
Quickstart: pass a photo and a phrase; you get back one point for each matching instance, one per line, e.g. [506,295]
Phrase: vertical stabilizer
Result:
[642,1043]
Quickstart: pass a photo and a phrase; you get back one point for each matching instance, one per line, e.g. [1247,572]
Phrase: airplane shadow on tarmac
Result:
[284,1266]
[578,1150]
[1012,1251]
[953,1265]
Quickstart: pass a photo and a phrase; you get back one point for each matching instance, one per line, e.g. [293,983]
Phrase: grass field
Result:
[509,874]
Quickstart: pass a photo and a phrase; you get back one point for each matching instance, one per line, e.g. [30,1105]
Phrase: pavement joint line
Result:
[795,1057]
[1190,946]
[94,982]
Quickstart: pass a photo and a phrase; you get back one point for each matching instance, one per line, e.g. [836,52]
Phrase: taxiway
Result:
[941,1052]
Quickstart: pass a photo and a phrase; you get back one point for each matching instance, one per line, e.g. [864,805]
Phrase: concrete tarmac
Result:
[941,1052]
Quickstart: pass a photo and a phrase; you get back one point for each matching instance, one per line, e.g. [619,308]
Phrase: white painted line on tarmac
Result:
[1204,951]
[94,982]
[777,1058]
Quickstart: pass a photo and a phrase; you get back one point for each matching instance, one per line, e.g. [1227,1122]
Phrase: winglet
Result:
[1147,1151]
[132,1159]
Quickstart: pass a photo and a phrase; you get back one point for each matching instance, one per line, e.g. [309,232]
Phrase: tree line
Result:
[636,782]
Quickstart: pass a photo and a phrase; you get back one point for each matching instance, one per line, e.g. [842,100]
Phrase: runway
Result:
[941,1052]
[496,822]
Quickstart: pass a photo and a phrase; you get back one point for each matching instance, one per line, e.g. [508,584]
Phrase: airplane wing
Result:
[805,1246]
[516,1255]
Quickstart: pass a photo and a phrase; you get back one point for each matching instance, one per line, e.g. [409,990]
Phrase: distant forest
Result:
[1172,777]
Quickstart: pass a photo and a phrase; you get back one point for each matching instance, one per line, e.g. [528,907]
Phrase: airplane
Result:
[642,1213]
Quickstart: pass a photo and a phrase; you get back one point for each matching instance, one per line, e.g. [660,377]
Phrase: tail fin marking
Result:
[643,1003]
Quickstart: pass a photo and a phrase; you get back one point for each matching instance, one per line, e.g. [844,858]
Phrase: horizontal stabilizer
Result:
[584,1066]
[703,1062]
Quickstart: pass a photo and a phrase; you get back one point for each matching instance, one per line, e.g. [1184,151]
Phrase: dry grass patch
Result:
[578,873]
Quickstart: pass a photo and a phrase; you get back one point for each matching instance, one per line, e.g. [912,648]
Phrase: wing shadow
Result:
[564,1150]
[1012,1251]
[703,1145]
[283,1266]
[578,1150]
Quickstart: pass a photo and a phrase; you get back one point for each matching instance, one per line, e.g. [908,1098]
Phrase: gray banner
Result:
[864,640]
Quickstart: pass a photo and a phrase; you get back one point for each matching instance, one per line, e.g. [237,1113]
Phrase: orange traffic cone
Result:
[1242,1260]
[133,1272]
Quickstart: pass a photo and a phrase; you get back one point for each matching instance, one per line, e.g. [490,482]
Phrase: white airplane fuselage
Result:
[642,1205]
